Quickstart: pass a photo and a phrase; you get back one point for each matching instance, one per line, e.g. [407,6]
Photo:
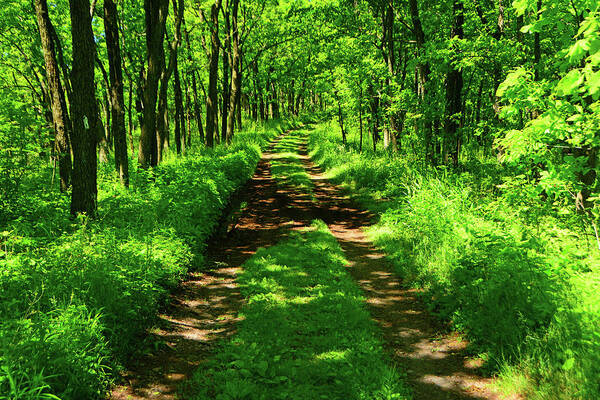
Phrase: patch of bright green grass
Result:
[287,166]
[306,332]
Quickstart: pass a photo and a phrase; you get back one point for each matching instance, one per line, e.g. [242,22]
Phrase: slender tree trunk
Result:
[116,90]
[58,103]
[374,100]
[454,86]
[537,50]
[197,112]
[104,130]
[213,75]
[238,94]
[235,72]
[255,87]
[84,111]
[389,139]
[162,117]
[179,114]
[131,123]
[156,16]
[341,118]
[226,88]
[360,117]
[422,78]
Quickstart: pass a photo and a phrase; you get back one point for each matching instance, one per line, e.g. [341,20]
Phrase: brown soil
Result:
[204,310]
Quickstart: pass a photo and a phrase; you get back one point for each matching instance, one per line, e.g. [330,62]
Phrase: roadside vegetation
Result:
[76,296]
[516,277]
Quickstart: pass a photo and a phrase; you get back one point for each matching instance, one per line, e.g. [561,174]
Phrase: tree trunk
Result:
[179,114]
[156,16]
[58,103]
[235,72]
[422,78]
[213,75]
[537,51]
[341,118]
[84,110]
[116,90]
[389,139]
[226,89]
[454,86]
[197,111]
[238,95]
[162,118]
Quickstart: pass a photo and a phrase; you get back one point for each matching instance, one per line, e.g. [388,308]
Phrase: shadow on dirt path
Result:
[436,364]
[204,310]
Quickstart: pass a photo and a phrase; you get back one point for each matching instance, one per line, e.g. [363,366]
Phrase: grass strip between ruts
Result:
[287,166]
[306,333]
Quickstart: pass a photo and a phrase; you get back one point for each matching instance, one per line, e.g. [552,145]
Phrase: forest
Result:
[299,199]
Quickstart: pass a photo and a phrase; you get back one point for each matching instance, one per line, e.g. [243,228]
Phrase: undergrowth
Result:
[517,277]
[305,333]
[76,296]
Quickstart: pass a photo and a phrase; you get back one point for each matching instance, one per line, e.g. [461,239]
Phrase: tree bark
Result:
[389,139]
[156,16]
[454,86]
[197,111]
[84,110]
[235,72]
[226,88]
[422,78]
[179,114]
[213,75]
[58,102]
[119,133]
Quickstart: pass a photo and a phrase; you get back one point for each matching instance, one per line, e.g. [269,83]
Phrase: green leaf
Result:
[578,51]
[521,6]
[569,364]
[569,83]
[262,367]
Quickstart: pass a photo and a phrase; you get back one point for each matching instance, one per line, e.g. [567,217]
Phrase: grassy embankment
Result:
[519,279]
[76,297]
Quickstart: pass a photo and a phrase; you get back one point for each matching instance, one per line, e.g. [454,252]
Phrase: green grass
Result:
[511,273]
[305,334]
[287,167]
[76,297]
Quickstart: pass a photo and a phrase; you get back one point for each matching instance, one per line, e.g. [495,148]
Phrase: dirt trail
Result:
[436,364]
[204,310]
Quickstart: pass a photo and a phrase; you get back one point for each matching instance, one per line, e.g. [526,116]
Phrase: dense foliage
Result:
[126,125]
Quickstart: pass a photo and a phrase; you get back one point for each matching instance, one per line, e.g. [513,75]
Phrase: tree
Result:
[454,87]
[84,110]
[117,101]
[60,114]
[213,68]
[235,72]
[156,16]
